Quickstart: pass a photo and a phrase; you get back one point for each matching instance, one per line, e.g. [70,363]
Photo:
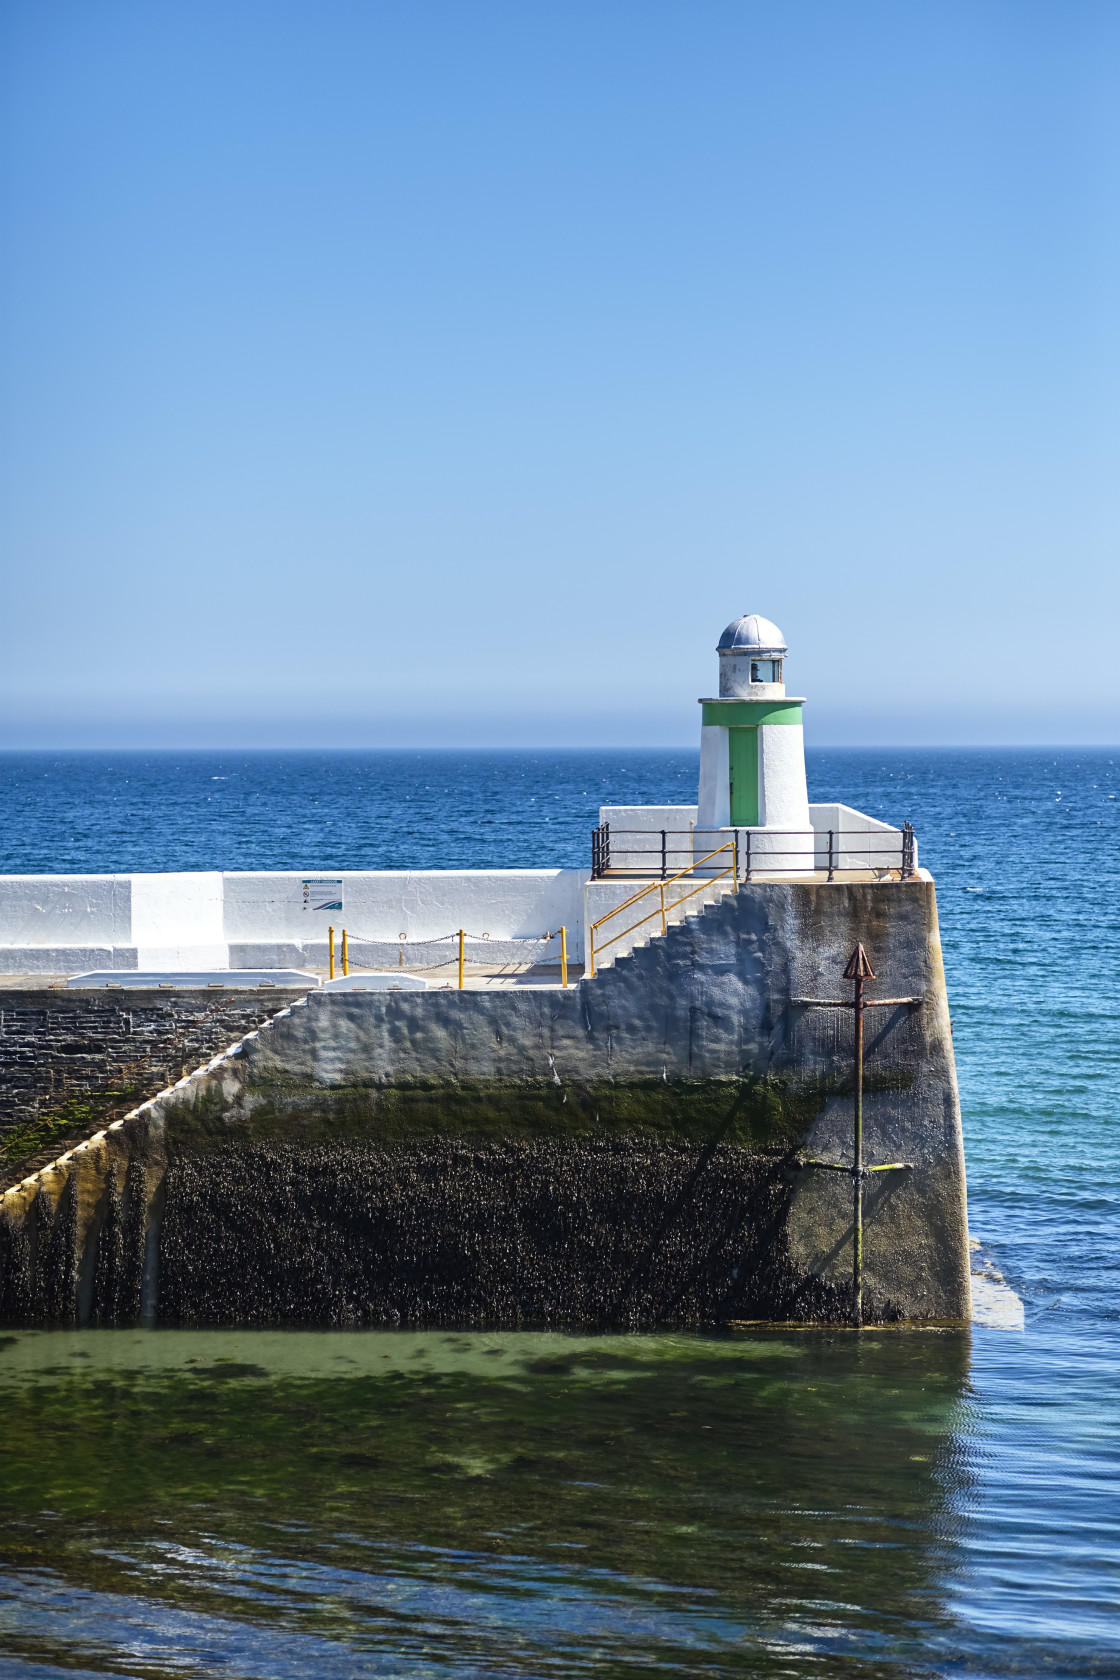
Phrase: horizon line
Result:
[632,747]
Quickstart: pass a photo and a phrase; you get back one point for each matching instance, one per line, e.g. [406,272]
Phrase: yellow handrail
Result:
[732,869]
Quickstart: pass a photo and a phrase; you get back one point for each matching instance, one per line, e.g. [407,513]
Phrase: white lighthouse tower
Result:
[752,748]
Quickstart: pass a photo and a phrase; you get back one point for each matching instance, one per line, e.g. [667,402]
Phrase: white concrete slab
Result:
[152,979]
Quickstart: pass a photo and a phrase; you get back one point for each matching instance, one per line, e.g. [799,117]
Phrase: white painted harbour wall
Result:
[67,924]
[191,921]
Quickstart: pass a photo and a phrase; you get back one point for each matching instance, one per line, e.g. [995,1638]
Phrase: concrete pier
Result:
[630,1151]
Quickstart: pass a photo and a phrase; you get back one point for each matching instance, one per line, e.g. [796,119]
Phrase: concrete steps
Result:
[678,917]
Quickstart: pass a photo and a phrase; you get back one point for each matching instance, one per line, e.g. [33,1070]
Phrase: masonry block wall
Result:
[57,1046]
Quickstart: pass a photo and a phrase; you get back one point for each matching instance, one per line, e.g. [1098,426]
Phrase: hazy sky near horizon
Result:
[450,373]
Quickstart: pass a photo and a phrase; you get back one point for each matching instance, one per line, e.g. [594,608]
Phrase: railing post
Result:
[907,851]
[605,848]
[345,954]
[831,855]
[747,870]
[462,937]
[330,947]
[663,869]
[735,863]
[564,957]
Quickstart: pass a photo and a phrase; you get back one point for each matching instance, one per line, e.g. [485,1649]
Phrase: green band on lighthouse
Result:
[721,713]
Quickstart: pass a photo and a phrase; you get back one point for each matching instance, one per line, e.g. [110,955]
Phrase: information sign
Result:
[321,892]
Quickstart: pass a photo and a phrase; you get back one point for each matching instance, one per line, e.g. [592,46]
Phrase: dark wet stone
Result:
[613,1232]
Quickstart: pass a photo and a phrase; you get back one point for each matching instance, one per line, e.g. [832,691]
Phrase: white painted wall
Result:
[48,910]
[859,841]
[714,807]
[177,920]
[783,798]
[735,677]
[636,835]
[648,818]
[768,851]
[66,924]
[498,908]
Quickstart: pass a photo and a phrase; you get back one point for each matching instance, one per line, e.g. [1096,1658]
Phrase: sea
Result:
[267,1505]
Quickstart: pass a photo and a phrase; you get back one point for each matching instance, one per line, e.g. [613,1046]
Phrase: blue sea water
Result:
[911,1504]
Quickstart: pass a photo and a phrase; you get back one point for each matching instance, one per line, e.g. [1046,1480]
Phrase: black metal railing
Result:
[643,853]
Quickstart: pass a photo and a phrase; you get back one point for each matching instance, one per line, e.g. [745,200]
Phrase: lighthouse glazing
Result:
[752,744]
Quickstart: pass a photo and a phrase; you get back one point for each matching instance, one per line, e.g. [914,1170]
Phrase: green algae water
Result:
[756,1502]
[282,1504]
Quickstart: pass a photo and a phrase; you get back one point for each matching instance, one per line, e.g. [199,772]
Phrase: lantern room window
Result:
[766,670]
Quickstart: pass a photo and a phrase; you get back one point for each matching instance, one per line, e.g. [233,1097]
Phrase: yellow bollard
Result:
[330,936]
[345,954]
[563,956]
[462,936]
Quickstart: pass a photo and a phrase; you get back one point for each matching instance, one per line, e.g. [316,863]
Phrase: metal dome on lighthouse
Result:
[752,747]
[751,651]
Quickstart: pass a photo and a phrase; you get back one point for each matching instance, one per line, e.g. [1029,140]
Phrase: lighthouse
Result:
[752,745]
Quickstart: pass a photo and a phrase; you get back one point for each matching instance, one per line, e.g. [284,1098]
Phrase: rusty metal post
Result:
[858,970]
[831,855]
[857,1164]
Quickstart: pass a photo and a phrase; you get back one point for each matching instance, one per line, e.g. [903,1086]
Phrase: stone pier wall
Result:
[71,1059]
[630,1151]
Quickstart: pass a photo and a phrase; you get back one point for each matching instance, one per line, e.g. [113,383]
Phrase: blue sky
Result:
[452,373]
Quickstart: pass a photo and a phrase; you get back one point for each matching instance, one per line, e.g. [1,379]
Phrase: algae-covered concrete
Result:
[632,1150]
